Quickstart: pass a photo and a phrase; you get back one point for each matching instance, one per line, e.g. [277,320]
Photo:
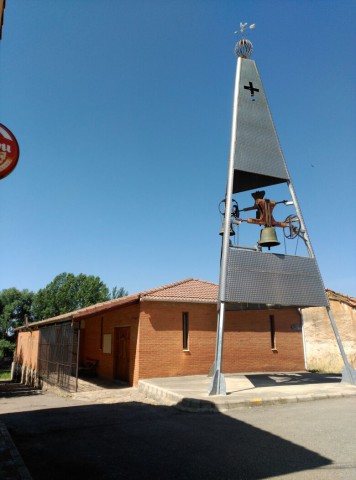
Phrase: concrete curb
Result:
[12,466]
[167,397]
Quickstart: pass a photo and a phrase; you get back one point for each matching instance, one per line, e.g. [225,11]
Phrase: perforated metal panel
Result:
[258,154]
[273,279]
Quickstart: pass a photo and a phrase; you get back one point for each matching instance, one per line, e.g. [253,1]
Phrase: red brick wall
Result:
[247,340]
[156,343]
[91,345]
[161,339]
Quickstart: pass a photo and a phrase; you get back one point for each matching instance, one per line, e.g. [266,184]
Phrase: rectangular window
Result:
[185,321]
[273,332]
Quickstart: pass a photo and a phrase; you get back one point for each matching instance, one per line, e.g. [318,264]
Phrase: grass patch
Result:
[5,374]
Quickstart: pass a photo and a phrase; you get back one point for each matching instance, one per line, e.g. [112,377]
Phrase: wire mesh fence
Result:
[58,355]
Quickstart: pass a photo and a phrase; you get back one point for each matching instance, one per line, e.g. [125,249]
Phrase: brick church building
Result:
[162,332]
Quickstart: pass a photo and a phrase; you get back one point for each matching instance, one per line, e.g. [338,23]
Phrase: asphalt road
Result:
[67,439]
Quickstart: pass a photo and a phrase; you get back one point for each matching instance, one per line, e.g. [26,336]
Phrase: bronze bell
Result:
[232,231]
[268,238]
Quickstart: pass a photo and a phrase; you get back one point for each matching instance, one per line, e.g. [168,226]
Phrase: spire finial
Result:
[244,47]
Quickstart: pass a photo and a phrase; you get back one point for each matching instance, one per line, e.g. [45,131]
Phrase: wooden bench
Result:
[88,369]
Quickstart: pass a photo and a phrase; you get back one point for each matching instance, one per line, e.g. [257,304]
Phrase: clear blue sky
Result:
[122,110]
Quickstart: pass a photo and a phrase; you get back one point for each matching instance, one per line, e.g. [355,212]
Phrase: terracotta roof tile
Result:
[339,297]
[189,290]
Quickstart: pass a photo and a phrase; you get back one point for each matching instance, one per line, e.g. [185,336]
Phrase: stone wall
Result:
[24,367]
[321,348]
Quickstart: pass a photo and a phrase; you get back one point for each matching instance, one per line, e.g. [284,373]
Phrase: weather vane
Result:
[244,47]
[243,26]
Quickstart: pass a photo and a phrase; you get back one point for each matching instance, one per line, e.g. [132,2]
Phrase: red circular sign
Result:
[9,151]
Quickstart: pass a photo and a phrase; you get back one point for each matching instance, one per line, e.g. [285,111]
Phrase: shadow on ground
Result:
[10,389]
[87,383]
[140,441]
[286,379]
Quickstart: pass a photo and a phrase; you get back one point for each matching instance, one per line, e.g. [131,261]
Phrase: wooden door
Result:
[122,353]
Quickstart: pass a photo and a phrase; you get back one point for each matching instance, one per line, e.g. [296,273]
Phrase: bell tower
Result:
[256,277]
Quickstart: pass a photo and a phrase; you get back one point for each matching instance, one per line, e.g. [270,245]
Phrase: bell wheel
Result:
[235,212]
[292,229]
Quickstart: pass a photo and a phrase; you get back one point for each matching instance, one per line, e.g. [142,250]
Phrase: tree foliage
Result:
[14,305]
[68,292]
[118,293]
[6,348]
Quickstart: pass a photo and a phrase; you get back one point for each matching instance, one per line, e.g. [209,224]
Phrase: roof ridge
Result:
[342,297]
[205,281]
[338,293]
[163,287]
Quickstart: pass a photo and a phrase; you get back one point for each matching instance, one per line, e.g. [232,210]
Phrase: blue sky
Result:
[122,110]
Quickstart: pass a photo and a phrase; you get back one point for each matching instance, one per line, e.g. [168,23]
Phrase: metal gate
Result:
[58,355]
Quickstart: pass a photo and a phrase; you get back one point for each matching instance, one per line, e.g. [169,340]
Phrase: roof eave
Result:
[99,310]
[48,321]
[78,315]
[177,300]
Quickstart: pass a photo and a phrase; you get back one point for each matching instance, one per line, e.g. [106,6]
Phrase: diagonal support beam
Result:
[348,372]
[217,386]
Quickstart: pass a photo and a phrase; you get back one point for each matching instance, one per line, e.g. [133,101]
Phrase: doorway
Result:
[122,353]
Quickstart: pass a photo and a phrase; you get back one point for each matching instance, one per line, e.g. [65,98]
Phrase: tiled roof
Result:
[189,290]
[339,297]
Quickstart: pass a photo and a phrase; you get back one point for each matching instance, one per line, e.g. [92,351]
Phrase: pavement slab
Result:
[245,390]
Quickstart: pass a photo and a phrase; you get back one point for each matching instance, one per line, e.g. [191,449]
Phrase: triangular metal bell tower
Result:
[251,278]
[258,157]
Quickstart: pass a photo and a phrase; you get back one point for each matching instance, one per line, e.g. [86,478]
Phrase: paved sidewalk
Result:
[249,390]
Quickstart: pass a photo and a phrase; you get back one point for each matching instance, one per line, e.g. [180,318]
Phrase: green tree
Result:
[6,348]
[14,305]
[118,293]
[68,292]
